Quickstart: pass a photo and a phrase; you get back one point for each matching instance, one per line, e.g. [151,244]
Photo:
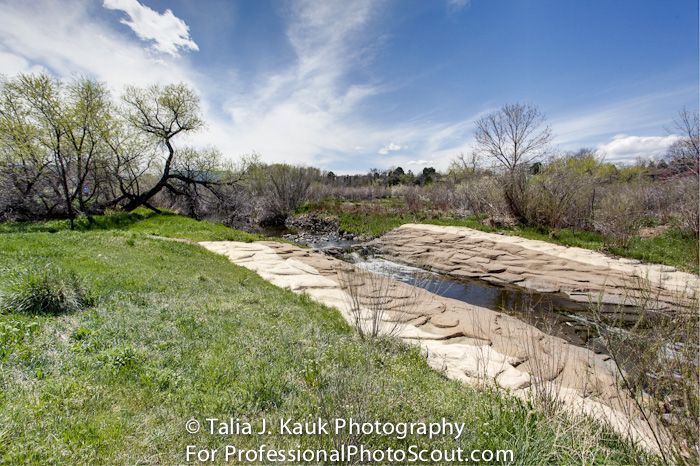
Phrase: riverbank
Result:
[372,219]
[178,333]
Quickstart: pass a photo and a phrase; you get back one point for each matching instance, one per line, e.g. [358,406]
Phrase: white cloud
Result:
[391,147]
[11,64]
[43,34]
[417,162]
[624,148]
[305,113]
[169,32]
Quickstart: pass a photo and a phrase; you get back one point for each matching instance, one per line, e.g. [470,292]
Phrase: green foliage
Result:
[68,149]
[630,173]
[16,335]
[672,247]
[44,290]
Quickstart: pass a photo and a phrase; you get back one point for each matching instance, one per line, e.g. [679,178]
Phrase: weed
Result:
[45,290]
[16,335]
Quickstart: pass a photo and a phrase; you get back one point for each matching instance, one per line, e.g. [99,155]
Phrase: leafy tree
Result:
[23,159]
[67,150]
[52,133]
[463,168]
[162,113]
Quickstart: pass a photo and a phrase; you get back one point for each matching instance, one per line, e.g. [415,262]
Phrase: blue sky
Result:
[352,85]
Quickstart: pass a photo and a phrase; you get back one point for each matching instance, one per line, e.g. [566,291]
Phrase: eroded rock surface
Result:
[466,342]
[581,274]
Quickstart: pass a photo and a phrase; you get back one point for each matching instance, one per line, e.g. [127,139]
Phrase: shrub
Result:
[482,195]
[412,195]
[44,290]
[688,215]
[320,192]
[620,215]
[442,196]
[562,194]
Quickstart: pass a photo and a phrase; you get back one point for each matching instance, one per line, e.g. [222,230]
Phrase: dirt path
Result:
[466,342]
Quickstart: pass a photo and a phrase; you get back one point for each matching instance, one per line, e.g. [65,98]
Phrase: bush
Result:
[482,195]
[412,195]
[620,215]
[44,290]
[441,195]
[687,214]
[562,194]
[320,192]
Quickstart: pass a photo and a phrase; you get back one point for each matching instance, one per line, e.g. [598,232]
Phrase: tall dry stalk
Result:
[658,362]
[383,300]
[378,304]
[547,356]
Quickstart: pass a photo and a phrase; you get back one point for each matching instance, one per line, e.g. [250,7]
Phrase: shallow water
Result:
[554,313]
[551,312]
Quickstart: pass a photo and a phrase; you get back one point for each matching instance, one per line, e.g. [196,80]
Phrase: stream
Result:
[550,312]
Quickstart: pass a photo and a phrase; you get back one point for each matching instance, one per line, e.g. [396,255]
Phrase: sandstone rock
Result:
[466,342]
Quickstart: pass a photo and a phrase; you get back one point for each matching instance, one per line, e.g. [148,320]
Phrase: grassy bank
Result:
[375,218]
[173,332]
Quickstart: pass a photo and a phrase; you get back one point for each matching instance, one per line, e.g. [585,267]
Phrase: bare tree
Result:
[513,137]
[684,154]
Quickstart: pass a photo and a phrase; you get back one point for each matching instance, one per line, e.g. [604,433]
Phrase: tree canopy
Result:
[68,149]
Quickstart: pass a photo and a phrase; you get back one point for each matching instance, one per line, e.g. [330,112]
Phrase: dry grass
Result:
[658,365]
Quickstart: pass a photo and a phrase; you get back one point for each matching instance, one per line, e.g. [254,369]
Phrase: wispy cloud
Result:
[306,112]
[316,106]
[629,115]
[457,5]
[169,32]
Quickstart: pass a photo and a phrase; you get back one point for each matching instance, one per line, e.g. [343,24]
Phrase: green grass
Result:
[177,333]
[141,221]
[670,247]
